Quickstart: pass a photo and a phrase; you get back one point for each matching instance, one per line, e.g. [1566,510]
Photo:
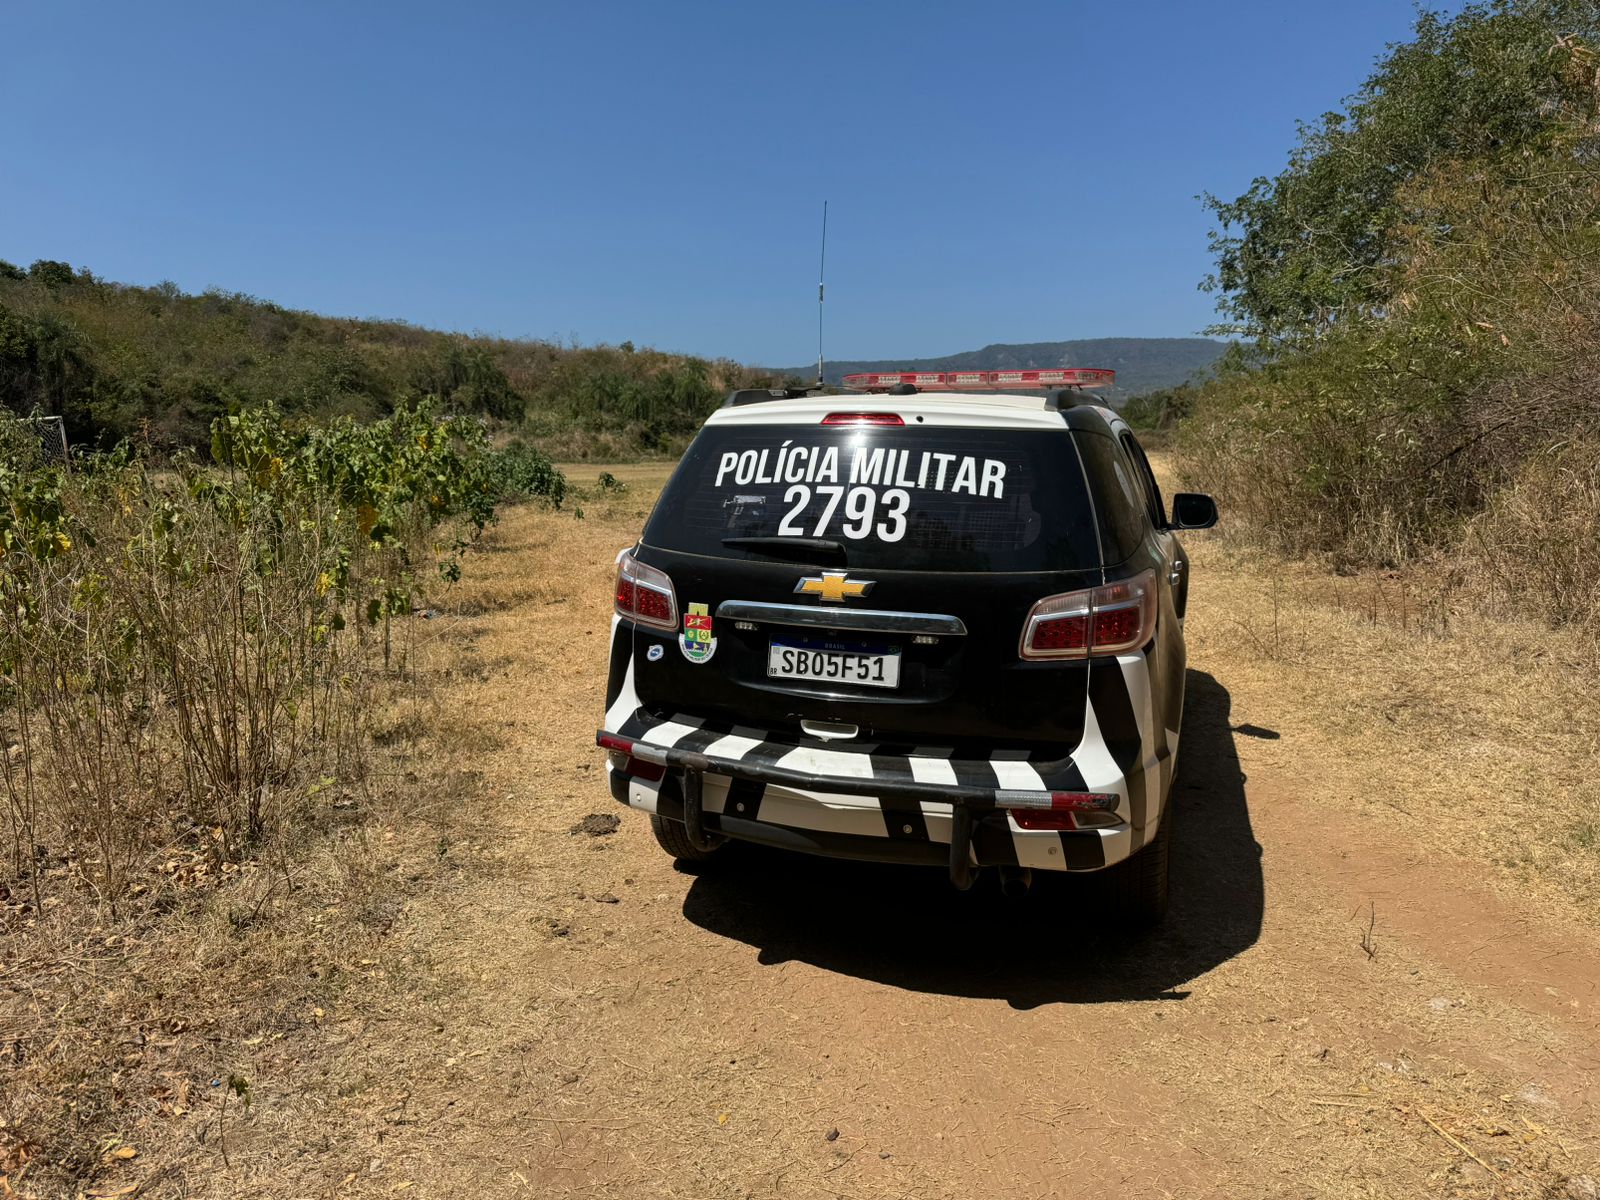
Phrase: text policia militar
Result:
[877,466]
[867,495]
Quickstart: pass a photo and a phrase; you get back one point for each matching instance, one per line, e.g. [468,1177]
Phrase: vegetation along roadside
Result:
[1418,298]
[218,760]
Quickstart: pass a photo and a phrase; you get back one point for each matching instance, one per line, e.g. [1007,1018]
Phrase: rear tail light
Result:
[1040,821]
[632,758]
[1016,798]
[1105,620]
[644,594]
[1059,810]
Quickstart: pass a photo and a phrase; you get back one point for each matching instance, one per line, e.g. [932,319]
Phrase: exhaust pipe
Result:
[1015,882]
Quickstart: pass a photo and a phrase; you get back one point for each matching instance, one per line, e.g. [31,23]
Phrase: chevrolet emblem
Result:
[831,587]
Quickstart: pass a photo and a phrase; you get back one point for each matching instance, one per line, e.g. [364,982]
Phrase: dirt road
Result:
[1339,1005]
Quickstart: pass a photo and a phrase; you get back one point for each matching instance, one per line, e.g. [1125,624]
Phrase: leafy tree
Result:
[467,377]
[44,363]
[1493,84]
[1161,409]
[51,273]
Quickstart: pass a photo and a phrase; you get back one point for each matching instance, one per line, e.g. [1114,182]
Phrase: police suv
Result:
[922,624]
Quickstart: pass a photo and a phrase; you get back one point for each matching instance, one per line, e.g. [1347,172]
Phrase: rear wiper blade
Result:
[802,546]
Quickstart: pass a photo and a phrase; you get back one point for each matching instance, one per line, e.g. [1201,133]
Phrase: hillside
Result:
[157,364]
[1142,364]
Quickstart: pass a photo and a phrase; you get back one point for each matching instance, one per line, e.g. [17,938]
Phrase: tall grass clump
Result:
[187,652]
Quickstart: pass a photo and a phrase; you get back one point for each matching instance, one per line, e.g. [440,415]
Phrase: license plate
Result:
[832,662]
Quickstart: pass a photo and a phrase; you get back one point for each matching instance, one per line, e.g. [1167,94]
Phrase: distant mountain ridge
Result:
[1142,364]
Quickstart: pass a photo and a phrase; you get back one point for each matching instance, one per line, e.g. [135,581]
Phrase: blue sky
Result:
[655,171]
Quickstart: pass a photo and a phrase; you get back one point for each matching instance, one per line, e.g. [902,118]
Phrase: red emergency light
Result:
[962,381]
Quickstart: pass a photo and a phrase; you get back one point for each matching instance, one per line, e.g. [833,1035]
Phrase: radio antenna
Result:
[822,269]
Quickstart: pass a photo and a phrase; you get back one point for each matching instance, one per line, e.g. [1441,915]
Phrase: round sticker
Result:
[654,653]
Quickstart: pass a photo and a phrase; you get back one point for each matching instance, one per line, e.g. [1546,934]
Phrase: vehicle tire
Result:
[1138,886]
[672,837]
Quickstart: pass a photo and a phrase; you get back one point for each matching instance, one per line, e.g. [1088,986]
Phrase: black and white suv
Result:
[916,627]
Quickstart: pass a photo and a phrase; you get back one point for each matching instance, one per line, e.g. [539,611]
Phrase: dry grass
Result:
[147,1047]
[1536,549]
[1473,734]
[586,449]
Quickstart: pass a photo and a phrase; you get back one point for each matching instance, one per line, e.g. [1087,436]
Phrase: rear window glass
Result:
[906,498]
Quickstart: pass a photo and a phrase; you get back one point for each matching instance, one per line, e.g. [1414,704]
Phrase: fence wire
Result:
[52,435]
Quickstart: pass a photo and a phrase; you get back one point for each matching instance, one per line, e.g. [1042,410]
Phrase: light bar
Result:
[928,381]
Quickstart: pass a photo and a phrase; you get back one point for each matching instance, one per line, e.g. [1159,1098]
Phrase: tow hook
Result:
[1015,882]
[694,768]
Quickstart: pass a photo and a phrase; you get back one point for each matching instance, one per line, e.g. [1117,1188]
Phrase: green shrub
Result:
[1159,411]
[194,647]
[524,472]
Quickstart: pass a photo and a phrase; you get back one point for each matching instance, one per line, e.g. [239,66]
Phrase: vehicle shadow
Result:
[906,927]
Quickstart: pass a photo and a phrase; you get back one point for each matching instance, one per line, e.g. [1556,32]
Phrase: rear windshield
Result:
[897,498]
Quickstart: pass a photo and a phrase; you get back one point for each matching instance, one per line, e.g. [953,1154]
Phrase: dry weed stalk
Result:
[187,657]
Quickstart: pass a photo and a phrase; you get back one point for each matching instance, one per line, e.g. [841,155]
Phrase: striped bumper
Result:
[897,802]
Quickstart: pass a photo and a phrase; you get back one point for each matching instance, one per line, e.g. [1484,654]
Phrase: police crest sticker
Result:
[696,641]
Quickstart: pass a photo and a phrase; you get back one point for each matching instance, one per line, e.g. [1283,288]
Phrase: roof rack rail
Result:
[742,396]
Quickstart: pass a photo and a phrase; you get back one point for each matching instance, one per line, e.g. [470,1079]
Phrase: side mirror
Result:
[1192,510]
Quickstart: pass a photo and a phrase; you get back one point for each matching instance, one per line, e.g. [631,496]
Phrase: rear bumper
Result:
[919,804]
[835,832]
[858,805]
